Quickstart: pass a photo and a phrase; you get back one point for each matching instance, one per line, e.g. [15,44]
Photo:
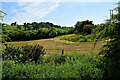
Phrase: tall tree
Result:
[80,27]
[111,50]
[25,26]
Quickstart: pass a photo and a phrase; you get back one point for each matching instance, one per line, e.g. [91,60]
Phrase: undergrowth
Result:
[81,66]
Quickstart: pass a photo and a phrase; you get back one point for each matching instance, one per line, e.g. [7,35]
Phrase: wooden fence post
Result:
[62,51]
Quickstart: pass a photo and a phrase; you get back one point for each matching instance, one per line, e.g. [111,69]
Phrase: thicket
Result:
[21,35]
[104,31]
[43,30]
[80,66]
[111,50]
[84,27]
[24,54]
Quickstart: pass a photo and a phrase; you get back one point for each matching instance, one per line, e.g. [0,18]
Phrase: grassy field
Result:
[55,46]
[74,38]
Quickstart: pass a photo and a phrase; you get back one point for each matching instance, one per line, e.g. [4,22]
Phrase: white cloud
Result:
[33,11]
[14,10]
[22,4]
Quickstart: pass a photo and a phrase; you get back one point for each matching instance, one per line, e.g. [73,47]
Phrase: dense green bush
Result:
[75,38]
[111,50]
[78,66]
[88,28]
[84,27]
[104,31]
[70,31]
[5,38]
[21,35]
[52,34]
[23,54]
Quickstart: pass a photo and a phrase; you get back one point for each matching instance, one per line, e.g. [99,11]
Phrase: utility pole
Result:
[118,20]
[111,14]
[119,11]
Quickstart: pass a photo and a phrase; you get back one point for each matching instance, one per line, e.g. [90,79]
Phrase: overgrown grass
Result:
[72,65]
[75,38]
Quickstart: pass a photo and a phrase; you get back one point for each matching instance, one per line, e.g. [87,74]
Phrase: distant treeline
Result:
[43,30]
[33,31]
[36,26]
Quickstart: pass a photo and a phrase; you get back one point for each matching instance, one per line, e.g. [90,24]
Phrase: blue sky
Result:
[60,13]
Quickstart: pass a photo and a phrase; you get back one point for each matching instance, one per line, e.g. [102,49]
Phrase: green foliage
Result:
[2,16]
[75,38]
[23,54]
[52,32]
[5,38]
[41,34]
[25,26]
[32,31]
[111,50]
[88,28]
[8,28]
[84,27]
[37,26]
[71,31]
[19,27]
[105,30]
[75,66]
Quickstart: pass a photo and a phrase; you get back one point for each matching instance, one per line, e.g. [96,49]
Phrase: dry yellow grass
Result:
[54,46]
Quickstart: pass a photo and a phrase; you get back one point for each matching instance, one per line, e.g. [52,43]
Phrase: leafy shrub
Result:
[111,50]
[23,54]
[75,38]
[52,32]
[104,31]
[84,27]
[83,40]
[60,59]
[71,31]
[5,38]
[88,28]
[41,34]
[79,66]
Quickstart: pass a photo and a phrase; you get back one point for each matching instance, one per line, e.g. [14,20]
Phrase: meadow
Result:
[79,61]
[55,46]
[44,50]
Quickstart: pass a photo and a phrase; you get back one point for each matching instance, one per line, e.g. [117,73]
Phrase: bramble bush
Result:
[111,50]
[23,54]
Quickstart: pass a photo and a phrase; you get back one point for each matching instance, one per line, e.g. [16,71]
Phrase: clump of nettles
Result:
[24,54]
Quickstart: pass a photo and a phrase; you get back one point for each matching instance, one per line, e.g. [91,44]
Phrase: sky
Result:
[59,13]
